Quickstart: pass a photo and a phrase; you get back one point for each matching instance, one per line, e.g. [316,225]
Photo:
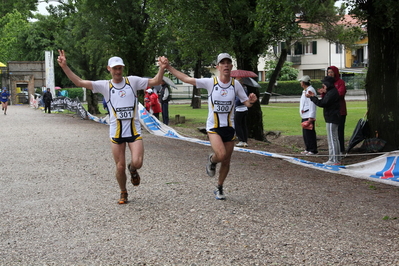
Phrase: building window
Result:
[310,48]
[338,48]
[298,48]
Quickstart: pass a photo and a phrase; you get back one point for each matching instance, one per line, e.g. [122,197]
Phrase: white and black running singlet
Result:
[221,101]
[122,104]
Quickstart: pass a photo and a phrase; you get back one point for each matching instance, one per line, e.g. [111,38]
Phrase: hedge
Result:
[291,87]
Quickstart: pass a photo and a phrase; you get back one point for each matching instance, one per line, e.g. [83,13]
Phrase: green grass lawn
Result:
[282,117]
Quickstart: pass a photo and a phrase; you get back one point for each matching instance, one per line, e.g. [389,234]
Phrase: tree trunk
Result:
[274,76]
[196,98]
[382,81]
[92,102]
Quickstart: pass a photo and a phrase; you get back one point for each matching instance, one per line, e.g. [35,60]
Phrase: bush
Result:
[75,92]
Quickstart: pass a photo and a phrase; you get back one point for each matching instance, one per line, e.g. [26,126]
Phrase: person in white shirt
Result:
[307,111]
[120,94]
[222,91]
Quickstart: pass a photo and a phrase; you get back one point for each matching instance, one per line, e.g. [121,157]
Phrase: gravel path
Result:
[59,205]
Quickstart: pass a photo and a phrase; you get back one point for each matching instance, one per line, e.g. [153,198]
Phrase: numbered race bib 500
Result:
[222,106]
[124,113]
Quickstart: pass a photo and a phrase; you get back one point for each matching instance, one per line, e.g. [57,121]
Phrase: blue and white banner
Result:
[384,169]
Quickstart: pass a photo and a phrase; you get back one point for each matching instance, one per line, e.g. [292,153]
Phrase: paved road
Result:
[58,205]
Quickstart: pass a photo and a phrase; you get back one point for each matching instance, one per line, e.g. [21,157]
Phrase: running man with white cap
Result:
[222,91]
[120,93]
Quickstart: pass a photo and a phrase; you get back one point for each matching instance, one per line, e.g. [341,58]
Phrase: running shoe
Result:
[135,177]
[304,152]
[240,144]
[210,167]
[219,195]
[123,199]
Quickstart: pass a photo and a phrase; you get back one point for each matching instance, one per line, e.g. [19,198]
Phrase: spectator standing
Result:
[307,111]
[147,104]
[47,99]
[330,105]
[240,121]
[164,95]
[333,71]
[154,103]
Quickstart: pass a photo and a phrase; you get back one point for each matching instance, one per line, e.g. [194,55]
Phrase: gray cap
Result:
[305,79]
[223,56]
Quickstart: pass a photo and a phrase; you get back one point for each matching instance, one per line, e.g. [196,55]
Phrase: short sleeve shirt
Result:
[122,103]
[221,101]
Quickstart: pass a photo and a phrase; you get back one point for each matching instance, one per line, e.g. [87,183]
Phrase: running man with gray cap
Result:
[120,93]
[222,91]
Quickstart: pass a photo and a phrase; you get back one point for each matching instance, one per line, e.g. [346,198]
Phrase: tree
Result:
[14,26]
[287,71]
[24,7]
[321,19]
[211,27]
[382,80]
[93,31]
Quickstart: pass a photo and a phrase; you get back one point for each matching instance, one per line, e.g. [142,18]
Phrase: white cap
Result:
[149,90]
[115,61]
[305,79]
[223,56]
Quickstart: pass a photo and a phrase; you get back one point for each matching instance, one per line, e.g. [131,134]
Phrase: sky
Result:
[42,6]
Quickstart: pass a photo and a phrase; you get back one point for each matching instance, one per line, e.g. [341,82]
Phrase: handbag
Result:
[307,125]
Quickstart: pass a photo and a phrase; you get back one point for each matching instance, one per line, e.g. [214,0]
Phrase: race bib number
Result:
[222,106]
[124,113]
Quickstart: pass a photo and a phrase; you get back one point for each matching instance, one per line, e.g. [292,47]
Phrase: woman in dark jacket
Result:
[333,71]
[331,111]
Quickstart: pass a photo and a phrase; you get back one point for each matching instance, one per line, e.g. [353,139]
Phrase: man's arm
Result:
[180,75]
[72,76]
[251,100]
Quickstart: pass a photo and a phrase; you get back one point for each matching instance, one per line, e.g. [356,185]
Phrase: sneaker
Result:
[135,177]
[310,153]
[210,167]
[219,194]
[123,199]
[245,144]
[240,144]
[304,152]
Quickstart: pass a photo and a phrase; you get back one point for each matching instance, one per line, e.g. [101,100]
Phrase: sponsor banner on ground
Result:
[72,105]
[384,169]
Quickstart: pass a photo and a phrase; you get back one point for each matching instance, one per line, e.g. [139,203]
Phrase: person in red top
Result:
[333,71]
[154,103]
[147,100]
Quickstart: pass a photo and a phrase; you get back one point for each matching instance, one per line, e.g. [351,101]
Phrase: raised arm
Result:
[180,75]
[157,80]
[72,76]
